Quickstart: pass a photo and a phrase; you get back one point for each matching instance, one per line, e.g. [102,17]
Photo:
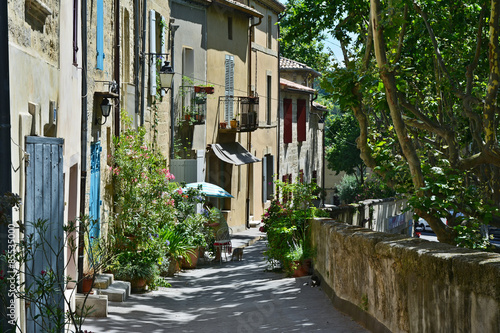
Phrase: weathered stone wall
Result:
[398,284]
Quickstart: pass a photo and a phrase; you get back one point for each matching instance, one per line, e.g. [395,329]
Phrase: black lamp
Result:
[166,75]
[105,109]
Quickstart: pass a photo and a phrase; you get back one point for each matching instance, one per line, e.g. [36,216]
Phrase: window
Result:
[269,99]
[230,28]
[269,32]
[126,45]
[301,176]
[287,130]
[267,177]
[100,35]
[229,88]
[75,32]
[301,120]
[314,177]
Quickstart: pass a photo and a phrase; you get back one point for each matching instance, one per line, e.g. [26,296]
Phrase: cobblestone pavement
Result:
[237,296]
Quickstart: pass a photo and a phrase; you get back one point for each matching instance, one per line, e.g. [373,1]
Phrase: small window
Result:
[230,28]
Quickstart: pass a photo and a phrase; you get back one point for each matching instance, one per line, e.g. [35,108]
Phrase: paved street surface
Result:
[237,296]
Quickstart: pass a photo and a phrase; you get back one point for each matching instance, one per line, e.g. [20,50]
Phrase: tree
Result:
[422,80]
[301,48]
[342,154]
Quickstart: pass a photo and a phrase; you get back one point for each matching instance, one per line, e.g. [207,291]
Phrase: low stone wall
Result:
[395,284]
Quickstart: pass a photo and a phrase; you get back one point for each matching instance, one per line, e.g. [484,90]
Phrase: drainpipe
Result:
[117,66]
[143,65]
[172,29]
[5,145]
[136,56]
[83,140]
[249,92]
[278,132]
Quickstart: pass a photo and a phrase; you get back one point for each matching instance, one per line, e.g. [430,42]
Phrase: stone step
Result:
[93,306]
[118,291]
[103,281]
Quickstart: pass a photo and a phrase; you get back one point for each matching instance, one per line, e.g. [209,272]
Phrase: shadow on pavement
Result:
[237,296]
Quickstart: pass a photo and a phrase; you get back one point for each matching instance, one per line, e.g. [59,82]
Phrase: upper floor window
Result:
[287,124]
[269,99]
[230,28]
[269,32]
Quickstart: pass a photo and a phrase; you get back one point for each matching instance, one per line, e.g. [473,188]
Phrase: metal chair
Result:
[223,242]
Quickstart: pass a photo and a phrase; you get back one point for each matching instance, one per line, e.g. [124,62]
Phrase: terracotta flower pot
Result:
[138,284]
[193,258]
[303,268]
[87,284]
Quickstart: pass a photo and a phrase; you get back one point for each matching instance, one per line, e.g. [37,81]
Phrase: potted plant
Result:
[176,248]
[137,267]
[222,125]
[191,230]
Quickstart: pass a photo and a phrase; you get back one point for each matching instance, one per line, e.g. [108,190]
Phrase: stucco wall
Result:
[398,284]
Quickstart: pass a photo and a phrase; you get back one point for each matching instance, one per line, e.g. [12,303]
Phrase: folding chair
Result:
[223,242]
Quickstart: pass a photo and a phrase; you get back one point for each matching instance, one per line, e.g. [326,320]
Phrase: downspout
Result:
[5,144]
[172,29]
[322,150]
[83,141]
[117,66]
[278,132]
[249,93]
[143,61]
[136,56]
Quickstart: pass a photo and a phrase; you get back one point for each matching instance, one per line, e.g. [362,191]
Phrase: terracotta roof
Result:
[295,86]
[292,65]
[240,6]
[319,107]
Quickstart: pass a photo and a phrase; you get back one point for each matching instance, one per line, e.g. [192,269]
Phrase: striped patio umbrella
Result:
[210,190]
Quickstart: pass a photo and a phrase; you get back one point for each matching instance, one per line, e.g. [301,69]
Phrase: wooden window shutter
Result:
[287,130]
[152,49]
[301,120]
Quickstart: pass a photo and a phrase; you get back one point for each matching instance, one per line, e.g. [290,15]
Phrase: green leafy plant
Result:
[285,222]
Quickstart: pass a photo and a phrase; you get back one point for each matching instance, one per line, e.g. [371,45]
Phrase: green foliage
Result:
[424,115]
[285,223]
[351,191]
[342,154]
[469,236]
[156,219]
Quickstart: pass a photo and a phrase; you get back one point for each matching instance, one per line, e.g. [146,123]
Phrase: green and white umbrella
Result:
[210,190]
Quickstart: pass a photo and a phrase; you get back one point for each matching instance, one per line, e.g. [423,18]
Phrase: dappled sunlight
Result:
[237,296]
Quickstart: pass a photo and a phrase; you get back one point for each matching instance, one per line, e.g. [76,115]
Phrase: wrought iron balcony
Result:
[193,103]
[238,113]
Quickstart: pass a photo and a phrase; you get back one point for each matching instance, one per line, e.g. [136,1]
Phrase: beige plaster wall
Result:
[397,284]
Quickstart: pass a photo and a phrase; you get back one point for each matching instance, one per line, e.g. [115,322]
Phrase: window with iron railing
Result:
[244,116]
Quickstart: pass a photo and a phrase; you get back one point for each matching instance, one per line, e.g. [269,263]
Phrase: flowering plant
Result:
[285,222]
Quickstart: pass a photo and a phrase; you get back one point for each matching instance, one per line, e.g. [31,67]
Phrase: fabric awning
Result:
[233,153]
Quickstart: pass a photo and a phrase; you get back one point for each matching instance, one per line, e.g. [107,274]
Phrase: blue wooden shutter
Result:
[95,189]
[100,35]
[44,201]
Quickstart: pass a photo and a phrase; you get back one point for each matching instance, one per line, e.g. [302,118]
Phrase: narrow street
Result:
[237,296]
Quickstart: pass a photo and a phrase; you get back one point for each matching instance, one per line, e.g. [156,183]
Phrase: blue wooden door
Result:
[95,190]
[44,202]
